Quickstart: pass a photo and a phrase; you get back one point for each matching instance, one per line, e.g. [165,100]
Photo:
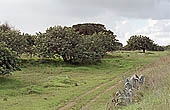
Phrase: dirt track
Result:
[70,104]
[66,107]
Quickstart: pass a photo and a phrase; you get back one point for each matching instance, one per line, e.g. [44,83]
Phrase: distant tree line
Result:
[167,47]
[80,44]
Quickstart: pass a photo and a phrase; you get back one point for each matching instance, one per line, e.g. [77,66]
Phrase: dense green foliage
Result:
[57,41]
[8,61]
[69,43]
[139,42]
[29,45]
[110,43]
[14,40]
[74,47]
[89,28]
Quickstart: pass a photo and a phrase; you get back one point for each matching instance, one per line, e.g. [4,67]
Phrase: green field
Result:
[52,84]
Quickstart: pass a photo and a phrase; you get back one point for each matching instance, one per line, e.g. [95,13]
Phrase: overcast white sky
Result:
[124,17]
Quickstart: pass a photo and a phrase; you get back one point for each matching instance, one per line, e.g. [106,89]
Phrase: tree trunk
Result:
[66,59]
[144,50]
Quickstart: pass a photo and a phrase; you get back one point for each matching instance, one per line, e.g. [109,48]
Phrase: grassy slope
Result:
[49,85]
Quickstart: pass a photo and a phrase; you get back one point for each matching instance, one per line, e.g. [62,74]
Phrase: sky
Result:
[124,17]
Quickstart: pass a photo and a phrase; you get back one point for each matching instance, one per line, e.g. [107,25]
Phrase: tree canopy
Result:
[109,38]
[139,42]
[89,28]
[74,47]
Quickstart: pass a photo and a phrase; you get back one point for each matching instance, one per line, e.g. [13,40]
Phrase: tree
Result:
[5,27]
[89,28]
[139,42]
[74,47]
[108,37]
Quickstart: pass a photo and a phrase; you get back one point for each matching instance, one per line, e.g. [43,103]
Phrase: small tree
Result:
[139,42]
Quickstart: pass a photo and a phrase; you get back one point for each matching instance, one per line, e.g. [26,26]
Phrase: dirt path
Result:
[70,104]
[66,107]
[99,95]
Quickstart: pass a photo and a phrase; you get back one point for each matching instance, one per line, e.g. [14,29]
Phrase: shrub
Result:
[156,47]
[8,61]
[72,46]
[89,50]
[57,41]
[15,40]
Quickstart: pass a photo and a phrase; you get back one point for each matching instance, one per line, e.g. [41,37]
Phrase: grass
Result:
[50,84]
[156,92]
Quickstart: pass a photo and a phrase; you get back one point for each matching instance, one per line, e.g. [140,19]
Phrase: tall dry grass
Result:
[155,95]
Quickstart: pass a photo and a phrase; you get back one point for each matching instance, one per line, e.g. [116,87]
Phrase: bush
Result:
[74,47]
[16,41]
[89,50]
[156,47]
[57,41]
[8,61]
[108,37]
